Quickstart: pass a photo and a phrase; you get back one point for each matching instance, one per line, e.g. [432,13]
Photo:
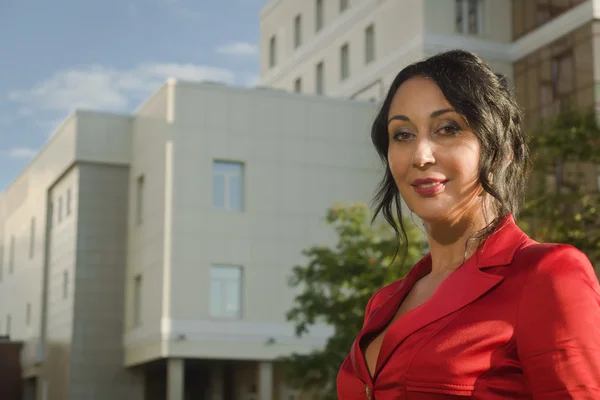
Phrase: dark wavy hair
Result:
[486,102]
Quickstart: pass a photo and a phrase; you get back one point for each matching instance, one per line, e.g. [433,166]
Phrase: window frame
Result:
[369,44]
[136,317]
[227,199]
[298,85]
[297,31]
[319,15]
[69,202]
[223,298]
[344,5]
[320,78]
[345,61]
[272,51]
[60,209]
[140,191]
[462,11]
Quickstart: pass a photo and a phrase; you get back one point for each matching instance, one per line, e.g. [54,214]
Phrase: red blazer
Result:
[519,320]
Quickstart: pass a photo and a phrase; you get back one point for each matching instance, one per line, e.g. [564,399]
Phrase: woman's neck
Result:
[451,243]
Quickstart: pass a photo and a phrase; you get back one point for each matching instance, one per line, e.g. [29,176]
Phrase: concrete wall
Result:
[146,241]
[301,154]
[99,287]
[61,285]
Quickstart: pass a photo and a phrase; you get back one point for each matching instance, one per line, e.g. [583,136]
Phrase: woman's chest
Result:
[460,355]
[420,293]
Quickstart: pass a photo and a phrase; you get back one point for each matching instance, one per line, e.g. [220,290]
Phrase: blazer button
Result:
[368,392]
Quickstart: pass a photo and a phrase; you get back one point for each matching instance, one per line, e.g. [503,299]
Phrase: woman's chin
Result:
[429,214]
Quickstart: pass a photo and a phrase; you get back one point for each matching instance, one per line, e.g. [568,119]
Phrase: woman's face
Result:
[433,155]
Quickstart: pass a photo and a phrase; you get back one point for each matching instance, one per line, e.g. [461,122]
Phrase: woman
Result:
[488,313]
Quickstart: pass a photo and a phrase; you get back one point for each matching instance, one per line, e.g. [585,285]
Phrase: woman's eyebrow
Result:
[434,114]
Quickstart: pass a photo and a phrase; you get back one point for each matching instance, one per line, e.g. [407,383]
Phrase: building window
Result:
[469,16]
[28,314]
[547,10]
[344,62]
[369,44]
[272,52]
[60,209]
[319,79]
[559,85]
[318,15]
[65,285]
[137,301]
[298,85]
[32,238]
[228,185]
[297,31]
[11,255]
[226,291]
[563,76]
[68,205]
[343,5]
[8,323]
[139,199]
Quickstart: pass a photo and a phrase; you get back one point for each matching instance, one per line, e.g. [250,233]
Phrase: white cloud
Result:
[21,152]
[238,49]
[104,88]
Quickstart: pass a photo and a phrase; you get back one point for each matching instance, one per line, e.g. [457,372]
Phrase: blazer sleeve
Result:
[558,327]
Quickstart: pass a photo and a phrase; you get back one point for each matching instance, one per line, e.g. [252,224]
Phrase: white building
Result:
[355,48]
[147,256]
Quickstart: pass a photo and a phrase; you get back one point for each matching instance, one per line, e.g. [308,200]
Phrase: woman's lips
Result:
[429,189]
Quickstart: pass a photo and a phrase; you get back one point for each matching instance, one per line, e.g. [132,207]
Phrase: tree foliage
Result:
[336,285]
[562,205]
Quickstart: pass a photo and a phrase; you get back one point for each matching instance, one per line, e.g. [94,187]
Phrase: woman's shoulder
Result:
[549,253]
[556,261]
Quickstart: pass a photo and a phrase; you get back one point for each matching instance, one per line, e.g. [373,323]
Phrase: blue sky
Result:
[56,56]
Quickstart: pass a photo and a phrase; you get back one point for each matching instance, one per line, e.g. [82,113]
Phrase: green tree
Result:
[336,285]
[562,204]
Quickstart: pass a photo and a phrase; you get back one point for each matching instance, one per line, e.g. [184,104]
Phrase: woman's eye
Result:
[402,136]
[449,130]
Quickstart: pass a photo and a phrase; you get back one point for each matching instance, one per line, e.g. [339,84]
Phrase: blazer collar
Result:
[460,288]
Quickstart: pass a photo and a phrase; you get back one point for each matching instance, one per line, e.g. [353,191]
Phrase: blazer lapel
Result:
[382,313]
[462,287]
